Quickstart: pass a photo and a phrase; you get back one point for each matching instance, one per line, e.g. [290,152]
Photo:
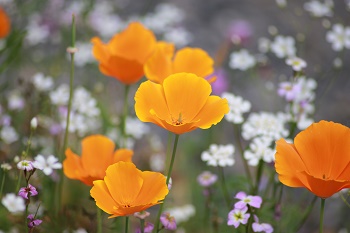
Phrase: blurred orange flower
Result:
[124,55]
[5,24]
[97,154]
[319,159]
[191,60]
[126,190]
[180,105]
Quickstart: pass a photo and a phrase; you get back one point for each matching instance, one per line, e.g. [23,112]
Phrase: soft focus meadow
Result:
[175,116]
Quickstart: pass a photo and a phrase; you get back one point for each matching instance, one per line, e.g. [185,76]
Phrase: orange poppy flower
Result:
[97,154]
[181,104]
[126,190]
[319,159]
[191,60]
[5,25]
[124,55]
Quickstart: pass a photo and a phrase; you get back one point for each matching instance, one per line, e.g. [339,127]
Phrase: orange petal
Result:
[125,70]
[320,187]
[185,94]
[97,155]
[134,43]
[288,163]
[212,112]
[100,50]
[124,182]
[123,155]
[149,98]
[159,65]
[72,166]
[325,149]
[154,188]
[102,197]
[5,25]
[193,60]
[122,211]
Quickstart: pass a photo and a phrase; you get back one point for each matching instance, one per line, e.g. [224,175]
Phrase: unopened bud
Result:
[72,50]
[34,123]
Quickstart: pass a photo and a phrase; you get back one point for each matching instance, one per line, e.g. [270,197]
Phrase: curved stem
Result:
[224,187]
[342,197]
[124,116]
[126,224]
[167,180]
[321,214]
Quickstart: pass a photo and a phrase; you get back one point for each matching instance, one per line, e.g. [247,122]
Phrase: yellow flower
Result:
[319,159]
[182,104]
[5,24]
[190,60]
[97,154]
[124,55]
[126,190]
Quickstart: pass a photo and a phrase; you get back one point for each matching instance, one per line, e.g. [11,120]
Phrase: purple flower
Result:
[221,83]
[240,31]
[238,216]
[142,214]
[207,178]
[33,222]
[261,227]
[289,90]
[168,221]
[147,229]
[254,201]
[25,191]
[25,165]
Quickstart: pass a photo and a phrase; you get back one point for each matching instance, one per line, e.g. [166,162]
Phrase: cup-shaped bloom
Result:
[98,152]
[182,104]
[319,159]
[126,190]
[163,62]
[124,55]
[5,24]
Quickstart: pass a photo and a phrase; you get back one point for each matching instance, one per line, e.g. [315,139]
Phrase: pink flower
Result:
[33,222]
[289,90]
[238,216]
[207,178]
[168,221]
[240,31]
[254,201]
[147,229]
[25,191]
[261,227]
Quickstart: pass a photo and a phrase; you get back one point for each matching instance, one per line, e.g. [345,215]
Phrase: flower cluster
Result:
[219,155]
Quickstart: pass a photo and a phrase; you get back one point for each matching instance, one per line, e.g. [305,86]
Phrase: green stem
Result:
[99,220]
[224,187]
[241,151]
[124,116]
[258,176]
[307,213]
[167,180]
[65,140]
[126,224]
[342,197]
[168,151]
[2,183]
[321,214]
[142,225]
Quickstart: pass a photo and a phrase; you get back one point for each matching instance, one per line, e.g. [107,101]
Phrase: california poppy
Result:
[319,159]
[126,190]
[5,24]
[124,55]
[97,154]
[163,63]
[182,104]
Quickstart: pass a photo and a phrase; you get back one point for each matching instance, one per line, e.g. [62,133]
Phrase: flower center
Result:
[178,121]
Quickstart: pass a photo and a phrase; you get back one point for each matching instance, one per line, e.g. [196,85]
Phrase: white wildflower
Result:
[47,165]
[84,55]
[13,203]
[296,63]
[60,96]
[8,134]
[260,148]
[136,128]
[283,46]
[179,36]
[318,9]
[339,37]
[42,83]
[264,44]
[182,213]
[241,60]
[36,33]
[237,106]
[15,100]
[219,155]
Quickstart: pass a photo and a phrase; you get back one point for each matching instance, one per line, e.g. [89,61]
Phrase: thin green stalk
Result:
[258,176]
[307,213]
[167,180]
[342,197]
[224,187]
[142,221]
[124,116]
[126,224]
[321,214]
[72,51]
[99,220]
[168,151]
[2,183]
[241,151]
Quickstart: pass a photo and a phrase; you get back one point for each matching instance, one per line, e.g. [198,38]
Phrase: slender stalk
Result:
[126,224]
[142,225]
[99,220]
[321,214]
[2,183]
[307,213]
[168,151]
[258,176]
[124,116]
[72,51]
[342,197]
[224,187]
[241,151]
[167,180]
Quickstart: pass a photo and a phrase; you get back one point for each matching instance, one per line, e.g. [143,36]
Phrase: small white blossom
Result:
[283,46]
[37,33]
[8,134]
[157,162]
[260,148]
[219,155]
[136,128]
[34,123]
[42,83]
[281,3]
[241,60]
[25,165]
[182,213]
[237,106]
[339,37]
[84,55]
[264,44]
[6,166]
[15,100]
[13,203]
[47,164]
[60,96]
[296,63]
[179,36]
[318,9]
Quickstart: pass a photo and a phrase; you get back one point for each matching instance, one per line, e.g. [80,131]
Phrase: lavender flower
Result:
[238,216]
[25,165]
[207,178]
[26,191]
[168,221]
[254,201]
[148,228]
[32,222]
